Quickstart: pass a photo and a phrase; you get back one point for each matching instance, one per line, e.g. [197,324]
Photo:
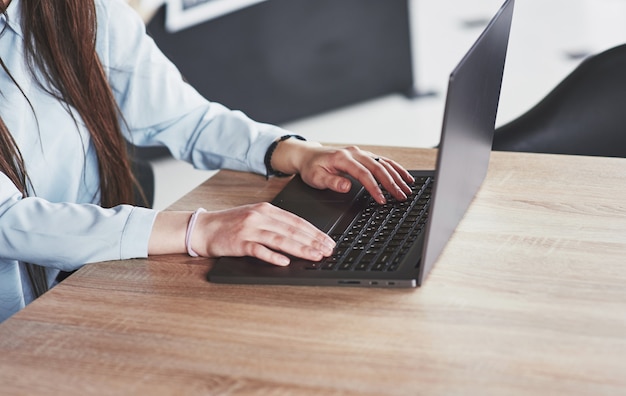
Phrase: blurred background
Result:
[365,71]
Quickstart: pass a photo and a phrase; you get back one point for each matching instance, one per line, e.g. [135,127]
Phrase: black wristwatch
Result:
[268,156]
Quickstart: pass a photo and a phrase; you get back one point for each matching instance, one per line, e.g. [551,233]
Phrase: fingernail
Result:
[317,255]
[284,261]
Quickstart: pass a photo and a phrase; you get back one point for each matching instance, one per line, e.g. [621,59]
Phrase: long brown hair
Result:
[60,43]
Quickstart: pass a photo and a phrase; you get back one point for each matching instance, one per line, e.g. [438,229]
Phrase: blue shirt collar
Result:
[14,17]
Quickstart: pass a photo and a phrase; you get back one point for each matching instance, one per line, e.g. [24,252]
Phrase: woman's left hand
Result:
[324,167]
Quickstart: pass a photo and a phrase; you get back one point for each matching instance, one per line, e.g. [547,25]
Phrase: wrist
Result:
[269,160]
[288,155]
[191,227]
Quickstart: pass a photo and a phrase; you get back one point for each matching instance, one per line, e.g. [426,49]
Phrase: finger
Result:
[291,234]
[361,173]
[302,230]
[399,169]
[397,181]
[379,171]
[279,242]
[336,183]
[269,256]
[276,241]
[404,174]
[362,166]
[293,240]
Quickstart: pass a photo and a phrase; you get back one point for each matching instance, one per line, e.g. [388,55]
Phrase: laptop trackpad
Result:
[322,208]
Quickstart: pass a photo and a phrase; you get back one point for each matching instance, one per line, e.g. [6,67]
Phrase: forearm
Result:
[67,235]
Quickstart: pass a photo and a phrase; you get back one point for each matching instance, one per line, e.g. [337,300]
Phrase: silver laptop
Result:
[397,244]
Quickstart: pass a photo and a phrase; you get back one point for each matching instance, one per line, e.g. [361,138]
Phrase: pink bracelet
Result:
[190,226]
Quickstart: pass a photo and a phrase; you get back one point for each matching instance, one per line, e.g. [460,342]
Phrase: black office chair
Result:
[143,172]
[584,115]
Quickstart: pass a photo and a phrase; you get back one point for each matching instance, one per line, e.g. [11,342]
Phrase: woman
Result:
[79,79]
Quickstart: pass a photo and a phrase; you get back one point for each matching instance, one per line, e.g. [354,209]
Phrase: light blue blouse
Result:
[61,226]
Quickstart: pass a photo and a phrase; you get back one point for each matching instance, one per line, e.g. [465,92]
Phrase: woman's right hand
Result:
[259,230]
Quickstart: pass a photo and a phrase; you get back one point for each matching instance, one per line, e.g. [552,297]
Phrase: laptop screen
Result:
[467,132]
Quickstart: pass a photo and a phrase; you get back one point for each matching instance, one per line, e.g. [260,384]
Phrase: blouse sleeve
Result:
[161,109]
[67,235]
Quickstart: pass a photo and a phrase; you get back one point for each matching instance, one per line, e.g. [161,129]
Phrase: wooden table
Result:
[529,297]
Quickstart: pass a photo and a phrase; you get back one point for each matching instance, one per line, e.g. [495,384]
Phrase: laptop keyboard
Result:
[381,235]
